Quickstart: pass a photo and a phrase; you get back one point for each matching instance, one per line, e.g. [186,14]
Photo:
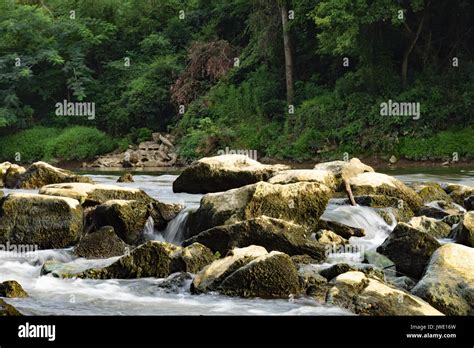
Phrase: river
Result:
[54,296]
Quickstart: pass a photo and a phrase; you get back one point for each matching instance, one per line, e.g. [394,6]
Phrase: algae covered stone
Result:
[101,244]
[12,289]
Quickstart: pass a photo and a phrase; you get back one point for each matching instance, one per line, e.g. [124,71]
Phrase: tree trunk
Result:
[406,54]
[287,43]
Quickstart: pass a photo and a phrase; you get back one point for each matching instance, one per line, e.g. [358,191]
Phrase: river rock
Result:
[167,211]
[340,229]
[384,204]
[12,289]
[155,259]
[128,218]
[40,174]
[344,170]
[382,184]
[340,268]
[469,203]
[452,220]
[312,283]
[270,233]
[309,175]
[126,177]
[268,276]
[222,173]
[448,283]
[463,233]
[409,248]
[431,191]
[101,244]
[3,171]
[327,237]
[176,282]
[433,227]
[367,296]
[7,310]
[459,193]
[45,221]
[93,194]
[210,277]
[302,203]
[13,173]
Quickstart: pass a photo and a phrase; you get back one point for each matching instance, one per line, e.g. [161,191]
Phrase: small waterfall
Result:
[174,231]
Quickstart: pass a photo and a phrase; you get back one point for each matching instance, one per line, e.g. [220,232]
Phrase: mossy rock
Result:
[344,170]
[302,203]
[44,221]
[340,229]
[459,193]
[270,233]
[101,244]
[222,173]
[431,191]
[12,289]
[409,248]
[384,205]
[463,233]
[40,174]
[340,268]
[433,227]
[7,310]
[268,276]
[126,177]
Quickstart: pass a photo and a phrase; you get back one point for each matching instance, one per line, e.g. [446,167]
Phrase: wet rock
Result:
[432,212]
[128,218]
[9,174]
[469,203]
[459,193]
[210,277]
[409,248]
[7,310]
[126,177]
[463,233]
[90,194]
[222,173]
[41,173]
[448,283]
[382,184]
[433,227]
[340,268]
[101,244]
[340,229]
[176,282]
[404,282]
[384,204]
[168,211]
[154,259]
[431,191]
[44,221]
[374,258]
[344,170]
[302,203]
[270,233]
[368,296]
[268,276]
[452,219]
[312,283]
[12,289]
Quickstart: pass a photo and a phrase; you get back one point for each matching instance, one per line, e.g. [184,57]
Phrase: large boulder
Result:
[101,244]
[222,173]
[302,203]
[12,289]
[344,170]
[409,248]
[463,233]
[155,259]
[270,233]
[340,229]
[431,191]
[433,227]
[210,277]
[128,218]
[385,204]
[448,283]
[368,296]
[298,175]
[382,184]
[268,276]
[45,221]
[40,174]
[91,194]
[459,193]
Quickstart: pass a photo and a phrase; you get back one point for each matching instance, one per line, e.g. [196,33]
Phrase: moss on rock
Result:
[12,289]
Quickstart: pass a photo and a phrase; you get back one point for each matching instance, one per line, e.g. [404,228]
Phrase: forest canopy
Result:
[292,79]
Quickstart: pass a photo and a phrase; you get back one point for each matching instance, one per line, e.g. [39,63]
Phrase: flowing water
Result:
[55,296]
